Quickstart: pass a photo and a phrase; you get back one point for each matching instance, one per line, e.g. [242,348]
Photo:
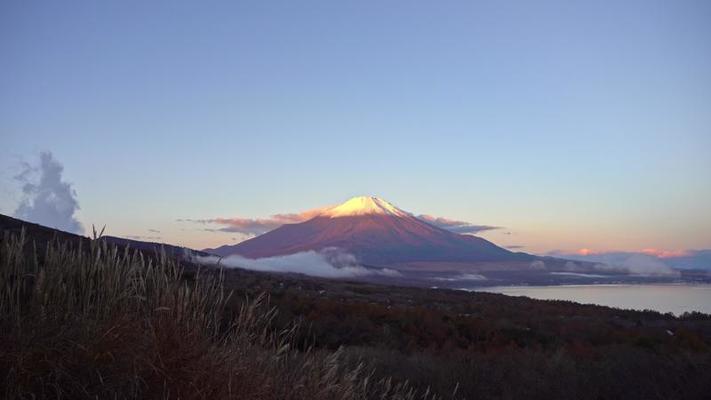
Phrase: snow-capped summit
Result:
[363,205]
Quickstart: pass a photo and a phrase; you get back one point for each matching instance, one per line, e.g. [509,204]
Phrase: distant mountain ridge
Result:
[377,233]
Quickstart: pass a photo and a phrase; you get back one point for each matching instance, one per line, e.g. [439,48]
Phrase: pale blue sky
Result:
[572,124]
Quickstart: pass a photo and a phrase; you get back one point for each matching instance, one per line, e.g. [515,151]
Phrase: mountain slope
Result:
[377,233]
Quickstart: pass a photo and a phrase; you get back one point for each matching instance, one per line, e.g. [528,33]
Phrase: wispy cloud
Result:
[257,226]
[695,259]
[253,226]
[667,253]
[455,225]
[461,277]
[327,263]
[141,237]
[659,253]
[47,199]
[634,263]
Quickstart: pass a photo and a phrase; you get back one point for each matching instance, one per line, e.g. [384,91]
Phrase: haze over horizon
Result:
[555,127]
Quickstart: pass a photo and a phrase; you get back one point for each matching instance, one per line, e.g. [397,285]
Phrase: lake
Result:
[675,298]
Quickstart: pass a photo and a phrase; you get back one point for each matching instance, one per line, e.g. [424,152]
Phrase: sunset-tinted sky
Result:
[568,124]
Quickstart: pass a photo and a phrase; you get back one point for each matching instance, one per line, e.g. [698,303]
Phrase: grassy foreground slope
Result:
[104,322]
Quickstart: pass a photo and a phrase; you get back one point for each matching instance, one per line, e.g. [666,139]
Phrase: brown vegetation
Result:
[107,323]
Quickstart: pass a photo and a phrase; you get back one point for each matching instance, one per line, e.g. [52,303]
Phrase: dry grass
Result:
[107,323]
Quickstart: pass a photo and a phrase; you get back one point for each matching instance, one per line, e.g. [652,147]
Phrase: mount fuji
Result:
[377,233]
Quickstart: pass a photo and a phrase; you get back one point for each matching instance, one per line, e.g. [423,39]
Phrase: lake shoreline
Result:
[674,297]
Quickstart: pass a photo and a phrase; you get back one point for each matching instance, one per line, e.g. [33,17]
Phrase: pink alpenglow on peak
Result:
[363,205]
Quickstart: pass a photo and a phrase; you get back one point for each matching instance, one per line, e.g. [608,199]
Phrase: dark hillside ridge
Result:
[42,235]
